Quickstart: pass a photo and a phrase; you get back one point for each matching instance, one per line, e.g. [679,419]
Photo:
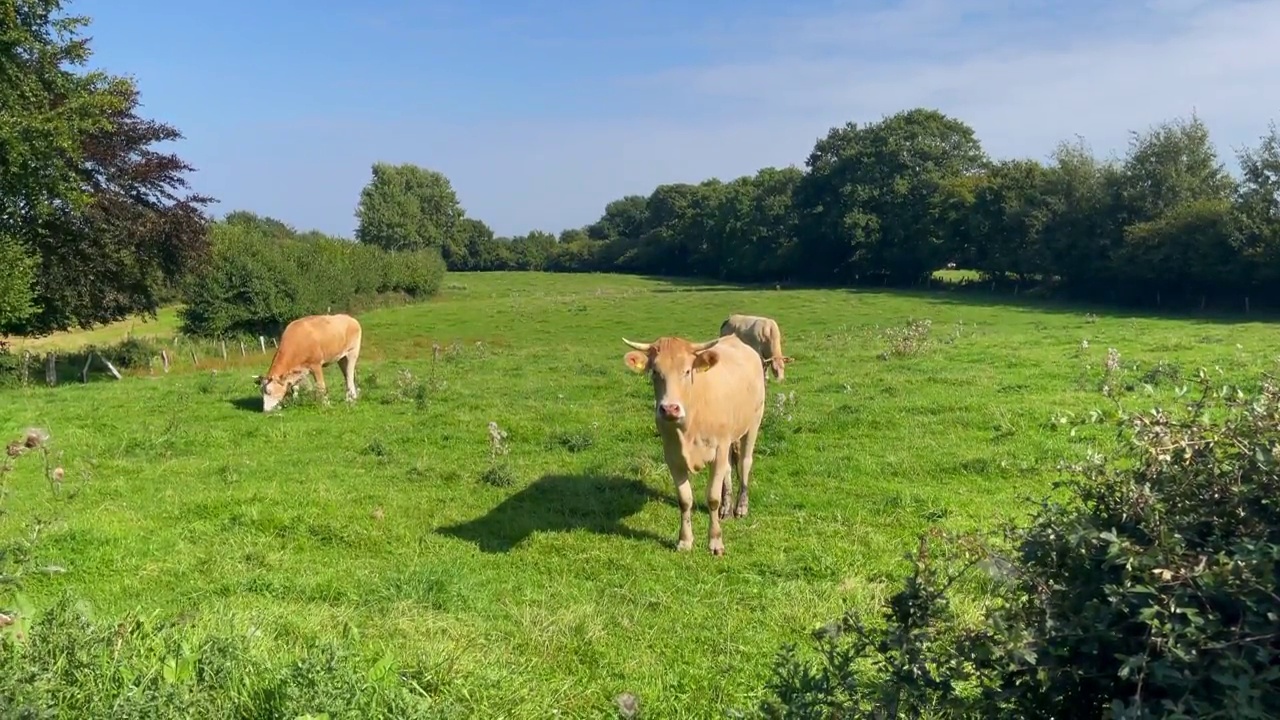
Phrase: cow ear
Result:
[636,361]
[706,360]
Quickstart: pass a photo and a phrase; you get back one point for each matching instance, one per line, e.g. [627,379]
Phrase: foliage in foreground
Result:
[1149,592]
[260,279]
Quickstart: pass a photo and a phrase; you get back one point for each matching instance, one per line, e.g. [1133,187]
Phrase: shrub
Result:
[1148,592]
[10,366]
[256,283]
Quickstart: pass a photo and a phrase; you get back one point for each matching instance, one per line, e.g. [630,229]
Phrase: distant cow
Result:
[763,335]
[309,343]
[708,403]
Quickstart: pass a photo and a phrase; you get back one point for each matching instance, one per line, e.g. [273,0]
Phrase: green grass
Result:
[551,582]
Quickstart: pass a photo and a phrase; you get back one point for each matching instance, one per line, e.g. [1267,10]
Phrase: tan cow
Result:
[708,404]
[308,344]
[761,334]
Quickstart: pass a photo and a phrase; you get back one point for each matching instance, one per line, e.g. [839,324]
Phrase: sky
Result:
[542,112]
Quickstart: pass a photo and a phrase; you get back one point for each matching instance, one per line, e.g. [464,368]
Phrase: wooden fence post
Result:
[262,342]
[164,359]
[51,369]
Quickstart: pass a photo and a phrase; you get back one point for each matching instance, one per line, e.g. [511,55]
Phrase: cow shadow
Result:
[252,404]
[561,503]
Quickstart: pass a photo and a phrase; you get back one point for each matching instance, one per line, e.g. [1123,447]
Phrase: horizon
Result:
[540,118]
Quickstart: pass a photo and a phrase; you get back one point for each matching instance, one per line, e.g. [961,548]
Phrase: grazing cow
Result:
[309,343]
[761,334]
[708,404]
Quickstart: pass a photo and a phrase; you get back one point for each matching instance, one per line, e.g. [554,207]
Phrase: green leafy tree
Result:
[870,201]
[1007,215]
[407,207]
[84,198]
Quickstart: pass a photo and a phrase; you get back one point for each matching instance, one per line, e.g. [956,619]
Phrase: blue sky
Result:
[541,112]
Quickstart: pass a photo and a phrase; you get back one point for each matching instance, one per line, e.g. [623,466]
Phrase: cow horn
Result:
[642,347]
[705,346]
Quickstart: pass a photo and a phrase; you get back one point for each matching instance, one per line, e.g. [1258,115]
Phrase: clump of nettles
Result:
[1146,590]
[911,339]
[408,388]
[498,474]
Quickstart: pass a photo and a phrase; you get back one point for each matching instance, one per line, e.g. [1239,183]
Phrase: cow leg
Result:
[348,365]
[685,492]
[719,468]
[746,458]
[726,493]
[318,373]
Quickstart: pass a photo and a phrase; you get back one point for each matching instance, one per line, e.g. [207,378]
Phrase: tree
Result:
[1258,203]
[406,207]
[871,199]
[1007,215]
[83,196]
[619,228]
[532,251]
[1172,164]
[261,224]
[1084,225]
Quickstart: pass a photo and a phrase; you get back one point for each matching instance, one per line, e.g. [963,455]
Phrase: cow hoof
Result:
[717,547]
[724,511]
[684,545]
[740,511]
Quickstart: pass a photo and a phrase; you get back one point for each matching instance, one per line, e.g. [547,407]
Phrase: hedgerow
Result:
[255,283]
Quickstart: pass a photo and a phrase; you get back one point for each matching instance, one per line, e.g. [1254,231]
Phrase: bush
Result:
[256,284]
[10,366]
[1149,592]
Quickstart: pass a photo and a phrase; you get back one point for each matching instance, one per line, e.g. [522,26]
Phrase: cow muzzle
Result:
[671,411]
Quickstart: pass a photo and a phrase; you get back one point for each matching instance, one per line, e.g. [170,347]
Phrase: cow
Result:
[308,344]
[708,403]
[764,336]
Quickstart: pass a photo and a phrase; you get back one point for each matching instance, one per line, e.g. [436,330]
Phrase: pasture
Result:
[536,572]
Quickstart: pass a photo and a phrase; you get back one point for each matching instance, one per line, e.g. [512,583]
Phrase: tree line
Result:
[890,202]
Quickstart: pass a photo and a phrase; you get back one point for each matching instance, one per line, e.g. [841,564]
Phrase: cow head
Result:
[274,389]
[672,364]
[778,366]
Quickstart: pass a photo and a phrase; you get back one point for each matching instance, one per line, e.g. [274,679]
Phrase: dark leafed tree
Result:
[84,198]
[406,207]
[140,232]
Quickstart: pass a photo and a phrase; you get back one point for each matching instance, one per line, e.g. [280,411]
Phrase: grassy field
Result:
[164,325]
[544,577]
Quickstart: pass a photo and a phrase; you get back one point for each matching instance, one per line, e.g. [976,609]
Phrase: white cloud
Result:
[1026,74]
[1023,79]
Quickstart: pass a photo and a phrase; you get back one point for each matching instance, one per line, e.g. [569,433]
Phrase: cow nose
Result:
[671,410]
